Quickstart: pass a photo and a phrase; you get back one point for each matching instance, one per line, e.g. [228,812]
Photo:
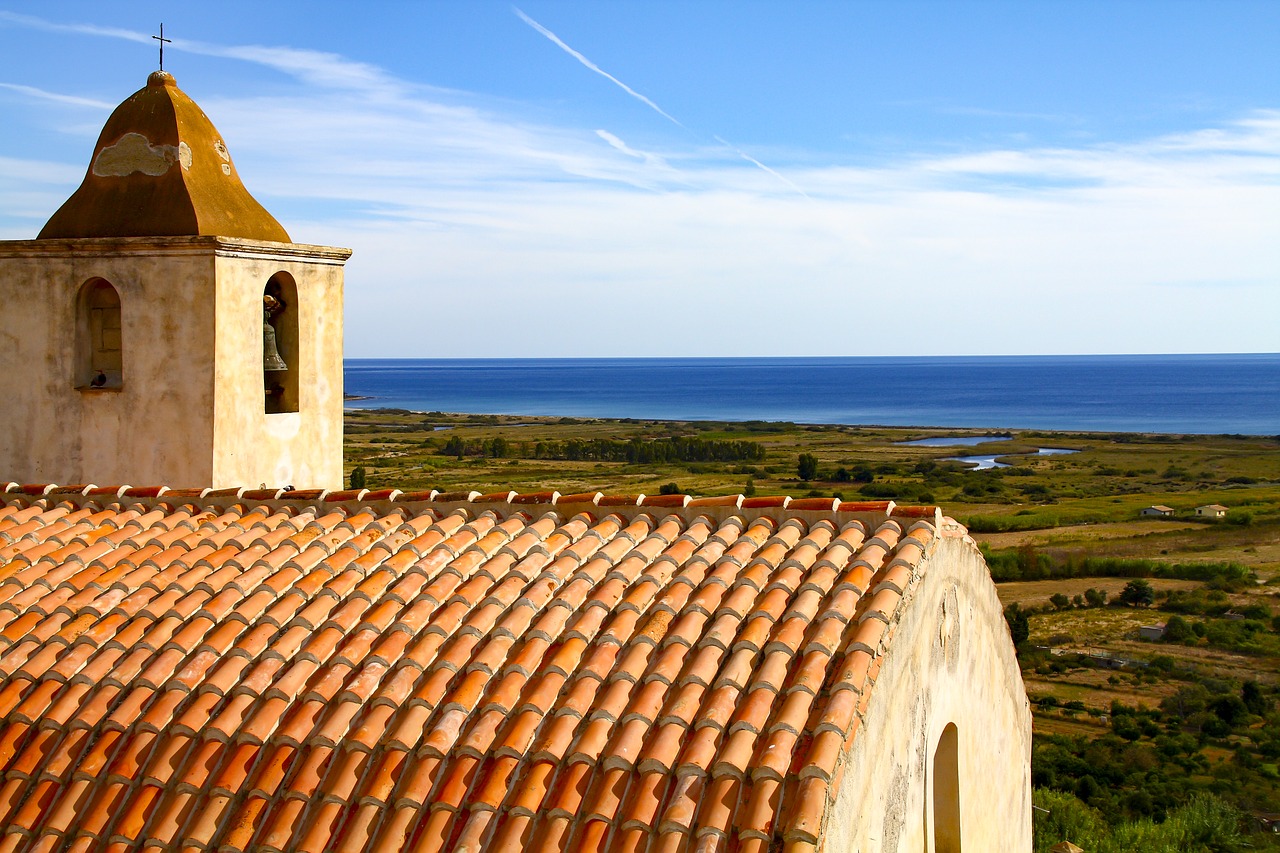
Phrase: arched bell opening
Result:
[946,792]
[99,337]
[280,350]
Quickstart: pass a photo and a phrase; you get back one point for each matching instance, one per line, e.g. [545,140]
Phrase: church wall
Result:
[147,429]
[302,448]
[949,661]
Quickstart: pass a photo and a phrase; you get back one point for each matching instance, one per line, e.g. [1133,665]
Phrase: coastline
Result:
[1197,395]
[999,433]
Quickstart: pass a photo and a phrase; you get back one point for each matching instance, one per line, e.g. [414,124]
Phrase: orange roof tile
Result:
[379,670]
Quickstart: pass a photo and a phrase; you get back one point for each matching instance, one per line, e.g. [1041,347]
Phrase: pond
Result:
[981,463]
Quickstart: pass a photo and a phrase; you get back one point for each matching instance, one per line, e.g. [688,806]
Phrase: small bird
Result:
[99,380]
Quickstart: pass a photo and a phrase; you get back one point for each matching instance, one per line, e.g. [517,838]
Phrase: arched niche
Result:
[280,319]
[99,337]
[946,792]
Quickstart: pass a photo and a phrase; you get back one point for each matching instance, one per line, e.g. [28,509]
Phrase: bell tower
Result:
[162,329]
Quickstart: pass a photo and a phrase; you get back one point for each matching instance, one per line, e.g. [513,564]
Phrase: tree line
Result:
[635,450]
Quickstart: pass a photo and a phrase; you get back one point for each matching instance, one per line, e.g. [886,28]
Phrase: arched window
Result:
[99,336]
[946,792]
[280,351]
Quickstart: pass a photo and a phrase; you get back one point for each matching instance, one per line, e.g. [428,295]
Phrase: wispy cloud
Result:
[311,66]
[34,22]
[558,42]
[41,94]
[647,157]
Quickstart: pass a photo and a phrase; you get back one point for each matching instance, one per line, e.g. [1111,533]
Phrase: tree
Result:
[1060,601]
[808,466]
[359,476]
[669,489]
[1253,699]
[1138,593]
[1229,708]
[1095,597]
[1019,625]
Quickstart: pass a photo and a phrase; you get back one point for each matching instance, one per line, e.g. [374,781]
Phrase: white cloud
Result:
[41,94]
[481,232]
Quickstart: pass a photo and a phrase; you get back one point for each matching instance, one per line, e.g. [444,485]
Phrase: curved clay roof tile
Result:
[161,169]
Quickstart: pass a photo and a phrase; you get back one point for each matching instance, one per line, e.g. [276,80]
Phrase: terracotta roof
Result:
[161,169]
[228,670]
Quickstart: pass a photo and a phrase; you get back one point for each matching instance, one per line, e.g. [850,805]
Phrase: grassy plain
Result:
[1064,507]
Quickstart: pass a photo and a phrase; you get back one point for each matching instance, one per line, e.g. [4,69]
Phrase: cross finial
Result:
[160,38]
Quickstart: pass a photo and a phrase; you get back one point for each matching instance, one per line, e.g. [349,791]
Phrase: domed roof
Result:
[161,169]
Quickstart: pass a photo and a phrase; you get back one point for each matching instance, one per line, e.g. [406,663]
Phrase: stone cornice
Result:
[228,247]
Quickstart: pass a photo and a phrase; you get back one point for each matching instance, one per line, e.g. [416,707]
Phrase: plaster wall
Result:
[148,430]
[190,410]
[302,448]
[949,661]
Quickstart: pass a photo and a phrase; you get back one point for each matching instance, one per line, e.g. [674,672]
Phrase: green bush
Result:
[1177,630]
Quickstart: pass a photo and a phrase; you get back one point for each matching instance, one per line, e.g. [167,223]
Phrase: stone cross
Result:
[160,38]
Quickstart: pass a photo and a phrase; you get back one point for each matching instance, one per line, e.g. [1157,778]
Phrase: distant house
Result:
[1157,511]
[1151,632]
[1211,511]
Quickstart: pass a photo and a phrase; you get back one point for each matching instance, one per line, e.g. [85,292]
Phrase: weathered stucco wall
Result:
[147,428]
[303,448]
[182,407]
[949,661]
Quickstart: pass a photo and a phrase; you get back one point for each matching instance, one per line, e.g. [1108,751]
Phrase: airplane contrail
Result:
[558,42]
[745,156]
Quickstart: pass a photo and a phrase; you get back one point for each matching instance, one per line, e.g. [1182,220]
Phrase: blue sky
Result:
[714,178]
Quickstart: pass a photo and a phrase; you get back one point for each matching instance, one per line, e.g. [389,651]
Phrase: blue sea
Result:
[1113,393]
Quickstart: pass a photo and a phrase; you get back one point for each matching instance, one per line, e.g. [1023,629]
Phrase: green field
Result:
[1045,517]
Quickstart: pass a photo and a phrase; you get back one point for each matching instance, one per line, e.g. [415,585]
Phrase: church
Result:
[206,643]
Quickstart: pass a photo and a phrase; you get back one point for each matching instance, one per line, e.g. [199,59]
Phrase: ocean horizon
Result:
[1200,394]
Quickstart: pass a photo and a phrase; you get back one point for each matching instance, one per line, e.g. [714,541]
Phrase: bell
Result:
[271,360]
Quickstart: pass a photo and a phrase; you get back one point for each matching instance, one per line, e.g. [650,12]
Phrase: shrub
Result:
[1177,630]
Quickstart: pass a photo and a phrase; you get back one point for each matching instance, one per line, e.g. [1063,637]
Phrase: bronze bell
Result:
[271,360]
